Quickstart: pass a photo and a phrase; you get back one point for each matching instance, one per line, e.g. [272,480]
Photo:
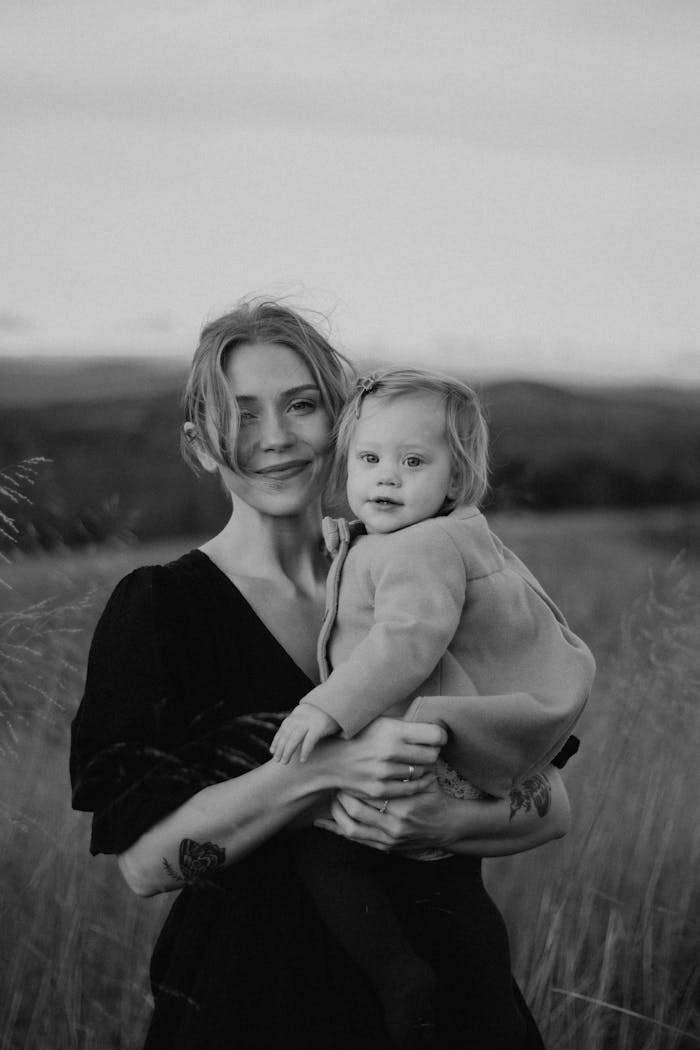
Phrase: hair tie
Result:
[365,385]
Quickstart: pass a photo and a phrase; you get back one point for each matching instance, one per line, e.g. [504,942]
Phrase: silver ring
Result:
[411,772]
[385,806]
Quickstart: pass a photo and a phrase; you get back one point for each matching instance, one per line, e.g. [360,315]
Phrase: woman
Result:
[192,667]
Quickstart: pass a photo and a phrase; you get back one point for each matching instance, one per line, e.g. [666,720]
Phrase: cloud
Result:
[609,81]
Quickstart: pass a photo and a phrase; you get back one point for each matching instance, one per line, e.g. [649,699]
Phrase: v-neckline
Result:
[233,587]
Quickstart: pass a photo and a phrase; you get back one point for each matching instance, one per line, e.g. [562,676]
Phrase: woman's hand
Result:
[419,821]
[535,812]
[389,759]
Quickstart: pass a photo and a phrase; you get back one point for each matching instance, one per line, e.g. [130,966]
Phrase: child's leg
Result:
[346,885]
[445,908]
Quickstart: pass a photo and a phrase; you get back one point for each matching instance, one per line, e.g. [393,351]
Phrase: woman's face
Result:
[283,440]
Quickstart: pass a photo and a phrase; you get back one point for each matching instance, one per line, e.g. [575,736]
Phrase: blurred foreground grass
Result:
[604,923]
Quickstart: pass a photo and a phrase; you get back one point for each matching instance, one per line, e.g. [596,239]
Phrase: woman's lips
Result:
[282,471]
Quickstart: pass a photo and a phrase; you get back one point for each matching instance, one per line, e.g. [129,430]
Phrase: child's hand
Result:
[301,731]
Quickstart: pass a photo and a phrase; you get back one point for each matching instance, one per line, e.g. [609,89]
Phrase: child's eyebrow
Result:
[293,391]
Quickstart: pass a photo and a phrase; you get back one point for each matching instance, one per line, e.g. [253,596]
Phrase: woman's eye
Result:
[246,418]
[302,406]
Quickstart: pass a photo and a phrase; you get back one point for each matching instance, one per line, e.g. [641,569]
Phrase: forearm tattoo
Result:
[533,791]
[196,860]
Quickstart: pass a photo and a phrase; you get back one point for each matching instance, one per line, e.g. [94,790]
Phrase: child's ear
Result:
[206,460]
[453,487]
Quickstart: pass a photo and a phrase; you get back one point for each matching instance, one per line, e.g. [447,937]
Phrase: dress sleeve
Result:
[418,580]
[139,745]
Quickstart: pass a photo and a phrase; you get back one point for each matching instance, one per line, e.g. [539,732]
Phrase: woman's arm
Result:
[534,812]
[222,823]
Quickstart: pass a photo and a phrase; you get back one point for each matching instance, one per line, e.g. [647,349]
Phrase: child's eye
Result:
[413,461]
[369,457]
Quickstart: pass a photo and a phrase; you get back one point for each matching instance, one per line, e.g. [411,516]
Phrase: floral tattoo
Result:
[533,791]
[196,860]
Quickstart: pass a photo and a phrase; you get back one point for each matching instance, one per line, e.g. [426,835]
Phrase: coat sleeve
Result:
[497,741]
[140,747]
[419,586]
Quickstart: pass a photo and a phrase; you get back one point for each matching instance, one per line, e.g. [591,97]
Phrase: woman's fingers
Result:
[417,755]
[381,787]
[366,813]
[368,835]
[401,823]
[411,742]
[424,733]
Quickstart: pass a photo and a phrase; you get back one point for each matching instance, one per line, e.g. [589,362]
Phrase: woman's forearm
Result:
[535,811]
[220,825]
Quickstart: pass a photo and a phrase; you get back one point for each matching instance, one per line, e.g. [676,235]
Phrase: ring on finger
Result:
[411,773]
[384,808]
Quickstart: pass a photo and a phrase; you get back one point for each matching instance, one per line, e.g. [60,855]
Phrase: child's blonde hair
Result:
[465,427]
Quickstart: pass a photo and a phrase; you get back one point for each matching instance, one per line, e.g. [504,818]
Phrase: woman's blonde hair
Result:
[465,427]
[210,404]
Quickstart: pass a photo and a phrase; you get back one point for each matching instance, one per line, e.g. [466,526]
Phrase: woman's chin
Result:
[287,504]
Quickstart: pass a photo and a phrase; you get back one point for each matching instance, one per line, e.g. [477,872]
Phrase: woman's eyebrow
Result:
[246,399]
[300,389]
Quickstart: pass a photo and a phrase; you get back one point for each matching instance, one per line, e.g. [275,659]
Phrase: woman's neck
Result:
[271,548]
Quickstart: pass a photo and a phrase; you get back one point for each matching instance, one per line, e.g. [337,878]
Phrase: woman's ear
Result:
[206,460]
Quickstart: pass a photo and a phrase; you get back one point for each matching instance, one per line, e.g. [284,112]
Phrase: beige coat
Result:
[440,622]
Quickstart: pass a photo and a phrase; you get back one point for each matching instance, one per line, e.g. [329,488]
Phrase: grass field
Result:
[604,923]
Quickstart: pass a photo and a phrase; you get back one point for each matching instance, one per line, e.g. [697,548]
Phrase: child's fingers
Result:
[309,742]
[294,740]
[278,742]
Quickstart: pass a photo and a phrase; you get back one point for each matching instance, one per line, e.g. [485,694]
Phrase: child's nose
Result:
[389,476]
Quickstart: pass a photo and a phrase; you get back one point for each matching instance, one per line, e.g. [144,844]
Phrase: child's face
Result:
[399,463]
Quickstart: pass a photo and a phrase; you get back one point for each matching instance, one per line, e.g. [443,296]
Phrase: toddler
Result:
[429,616]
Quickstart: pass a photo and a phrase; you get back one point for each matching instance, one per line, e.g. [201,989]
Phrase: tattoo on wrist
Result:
[533,791]
[196,860]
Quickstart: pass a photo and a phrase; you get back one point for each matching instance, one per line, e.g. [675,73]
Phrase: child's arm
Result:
[416,580]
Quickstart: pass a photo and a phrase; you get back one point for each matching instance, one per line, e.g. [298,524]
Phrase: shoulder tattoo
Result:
[196,860]
[533,791]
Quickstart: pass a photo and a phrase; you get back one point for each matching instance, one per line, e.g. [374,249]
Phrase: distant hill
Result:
[556,447]
[111,429]
[47,380]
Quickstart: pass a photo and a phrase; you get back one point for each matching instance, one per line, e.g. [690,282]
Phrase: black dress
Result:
[180,670]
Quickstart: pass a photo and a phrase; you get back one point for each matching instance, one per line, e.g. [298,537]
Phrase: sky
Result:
[511,187]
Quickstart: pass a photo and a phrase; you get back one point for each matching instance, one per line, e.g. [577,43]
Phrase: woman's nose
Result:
[275,433]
